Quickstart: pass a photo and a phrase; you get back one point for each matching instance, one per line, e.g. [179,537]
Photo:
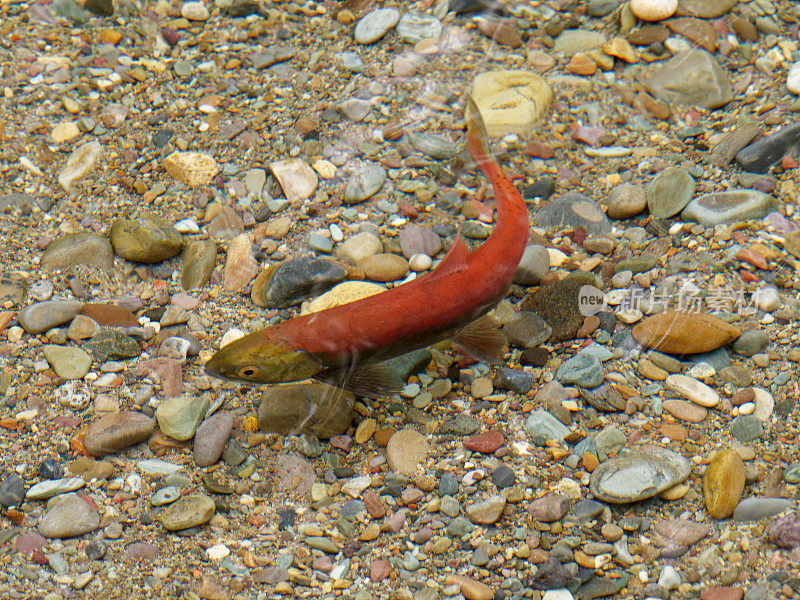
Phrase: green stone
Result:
[180,416]
[188,511]
[146,239]
[322,543]
[199,258]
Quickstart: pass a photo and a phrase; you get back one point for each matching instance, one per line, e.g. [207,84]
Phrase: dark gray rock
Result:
[298,279]
[759,156]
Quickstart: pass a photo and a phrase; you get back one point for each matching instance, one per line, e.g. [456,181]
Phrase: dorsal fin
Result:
[455,260]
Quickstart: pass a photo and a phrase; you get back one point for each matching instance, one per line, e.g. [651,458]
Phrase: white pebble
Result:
[218,552]
[747,408]
[669,578]
[702,370]
[187,226]
[793,79]
[231,336]
[337,235]
[420,262]
[767,299]
[653,10]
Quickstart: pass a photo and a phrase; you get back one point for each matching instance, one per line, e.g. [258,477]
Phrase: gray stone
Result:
[199,258]
[413,27]
[669,192]
[541,424]
[729,207]
[296,280]
[755,509]
[188,511]
[751,342]
[571,211]
[367,179]
[572,41]
[527,330]
[315,408]
[439,147]
[626,200]
[690,77]
[211,437]
[746,428]
[583,370]
[533,265]
[759,156]
[147,239]
[179,417]
[638,475]
[375,24]
[68,516]
[38,318]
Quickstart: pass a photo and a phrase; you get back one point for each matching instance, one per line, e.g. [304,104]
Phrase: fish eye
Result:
[248,371]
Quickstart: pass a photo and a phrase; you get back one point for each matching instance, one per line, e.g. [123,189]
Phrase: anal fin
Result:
[373,380]
[483,339]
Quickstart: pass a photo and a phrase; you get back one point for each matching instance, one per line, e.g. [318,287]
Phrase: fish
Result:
[347,345]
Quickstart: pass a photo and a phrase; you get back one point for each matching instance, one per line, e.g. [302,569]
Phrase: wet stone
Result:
[767,151]
[367,179]
[535,262]
[110,343]
[316,408]
[527,330]
[117,431]
[211,437]
[728,207]
[188,511]
[296,280]
[413,27]
[638,475]
[180,416]
[626,200]
[68,516]
[375,24]
[669,192]
[690,77]
[38,318]
[583,370]
[199,258]
[571,211]
[84,248]
[542,424]
[746,428]
[12,491]
[68,362]
[146,239]
[756,509]
[515,380]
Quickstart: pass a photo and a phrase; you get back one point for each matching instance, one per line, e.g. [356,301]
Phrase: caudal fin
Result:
[478,138]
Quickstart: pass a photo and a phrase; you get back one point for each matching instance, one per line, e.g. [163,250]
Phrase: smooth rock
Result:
[147,239]
[179,417]
[188,511]
[38,318]
[316,408]
[676,332]
[527,330]
[638,475]
[406,450]
[669,192]
[349,291]
[367,179]
[68,516]
[240,265]
[767,151]
[626,200]
[571,211]
[80,163]
[297,179]
[693,390]
[486,512]
[199,258]
[375,24]
[541,423]
[728,207]
[83,248]
[116,431]
[295,280]
[511,101]
[211,437]
[755,509]
[723,483]
[682,531]
[549,508]
[67,361]
[535,262]
[690,77]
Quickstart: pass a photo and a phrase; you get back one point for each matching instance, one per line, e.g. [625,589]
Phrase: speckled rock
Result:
[147,239]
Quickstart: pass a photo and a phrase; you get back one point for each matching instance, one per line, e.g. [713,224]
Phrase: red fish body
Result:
[462,288]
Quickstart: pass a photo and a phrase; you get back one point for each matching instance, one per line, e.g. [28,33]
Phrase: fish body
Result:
[337,343]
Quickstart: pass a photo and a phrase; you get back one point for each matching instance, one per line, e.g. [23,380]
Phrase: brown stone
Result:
[549,508]
[723,483]
[582,64]
[317,408]
[684,333]
[648,34]
[675,432]
[685,410]
[682,531]
[110,315]
[700,32]
[747,394]
[117,431]
[470,588]
[502,33]
[485,442]
[722,593]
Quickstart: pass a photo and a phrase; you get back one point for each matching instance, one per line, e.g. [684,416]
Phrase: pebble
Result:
[653,10]
[38,318]
[692,77]
[285,410]
[187,511]
[571,211]
[511,101]
[756,509]
[367,179]
[117,431]
[295,280]
[541,423]
[69,515]
[68,362]
[625,201]
[79,164]
[240,266]
[669,192]
[405,451]
[723,483]
[487,511]
[676,332]
[533,265]
[191,168]
[638,475]
[83,248]
[728,207]
[211,437]
[53,487]
[147,239]
[297,180]
[693,390]
[180,416]
[375,24]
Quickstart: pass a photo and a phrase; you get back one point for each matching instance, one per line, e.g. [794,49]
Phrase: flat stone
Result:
[705,9]
[557,304]
[52,487]
[511,101]
[240,265]
[549,508]
[746,428]
[638,475]
[117,431]
[470,588]
[486,512]
[626,200]
[295,280]
[418,239]
[297,179]
[38,318]
[188,511]
[583,370]
[80,163]
[685,410]
[68,516]
[375,24]
[405,451]
[767,151]
[690,77]
[199,258]
[669,192]
[729,207]
[346,292]
[684,333]
[147,239]
[83,248]
[179,417]
[414,27]
[571,211]
[384,267]
[692,389]
[750,510]
[573,41]
[682,531]
[367,179]
[315,408]
[751,342]
[211,437]
[527,330]
[541,423]
[723,483]
[67,361]
[535,262]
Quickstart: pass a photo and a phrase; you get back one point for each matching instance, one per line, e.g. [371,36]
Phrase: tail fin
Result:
[478,139]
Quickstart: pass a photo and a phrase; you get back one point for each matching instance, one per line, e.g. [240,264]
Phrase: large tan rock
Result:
[511,101]
[723,483]
[684,333]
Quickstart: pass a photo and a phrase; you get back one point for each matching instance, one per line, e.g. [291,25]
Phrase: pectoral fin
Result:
[483,339]
[373,380]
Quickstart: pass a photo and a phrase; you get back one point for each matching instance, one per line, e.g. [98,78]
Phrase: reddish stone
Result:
[549,508]
[755,259]
[485,442]
[539,150]
[699,31]
[407,209]
[374,505]
[110,315]
[748,277]
[789,162]
[722,593]
[379,570]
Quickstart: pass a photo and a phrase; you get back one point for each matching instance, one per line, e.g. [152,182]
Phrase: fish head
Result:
[254,360]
